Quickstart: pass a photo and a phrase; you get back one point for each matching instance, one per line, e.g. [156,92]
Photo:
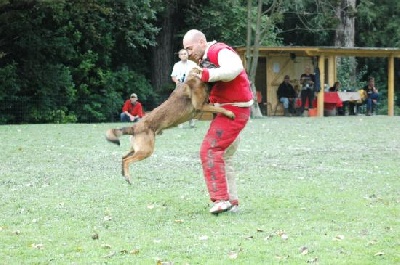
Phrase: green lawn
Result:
[312,191]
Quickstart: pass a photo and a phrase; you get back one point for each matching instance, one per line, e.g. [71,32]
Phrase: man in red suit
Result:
[231,90]
[132,109]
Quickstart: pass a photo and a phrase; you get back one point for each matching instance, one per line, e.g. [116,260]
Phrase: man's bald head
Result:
[195,43]
[194,35]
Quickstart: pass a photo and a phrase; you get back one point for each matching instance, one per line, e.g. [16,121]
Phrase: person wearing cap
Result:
[132,110]
[287,95]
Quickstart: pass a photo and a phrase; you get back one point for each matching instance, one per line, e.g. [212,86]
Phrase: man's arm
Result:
[230,66]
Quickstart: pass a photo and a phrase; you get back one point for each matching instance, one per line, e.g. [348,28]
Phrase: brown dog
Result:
[183,103]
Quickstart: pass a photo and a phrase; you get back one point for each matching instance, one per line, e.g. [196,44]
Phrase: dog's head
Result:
[207,64]
[193,79]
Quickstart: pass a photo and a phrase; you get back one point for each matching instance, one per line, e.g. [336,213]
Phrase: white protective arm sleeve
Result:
[230,66]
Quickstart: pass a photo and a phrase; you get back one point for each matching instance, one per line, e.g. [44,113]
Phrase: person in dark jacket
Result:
[307,81]
[287,96]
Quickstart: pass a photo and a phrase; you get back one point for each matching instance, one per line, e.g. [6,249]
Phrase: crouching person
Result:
[132,110]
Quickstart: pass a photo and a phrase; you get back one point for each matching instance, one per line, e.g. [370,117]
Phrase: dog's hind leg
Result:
[142,147]
[113,135]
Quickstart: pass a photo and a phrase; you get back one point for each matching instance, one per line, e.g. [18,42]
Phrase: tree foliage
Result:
[76,61]
[66,54]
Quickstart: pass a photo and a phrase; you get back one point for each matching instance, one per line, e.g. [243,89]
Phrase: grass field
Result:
[312,191]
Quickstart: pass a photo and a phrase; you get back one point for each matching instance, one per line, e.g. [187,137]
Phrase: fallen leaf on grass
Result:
[134,251]
[203,238]
[233,255]
[150,207]
[284,236]
[380,253]
[282,257]
[179,221]
[303,250]
[313,260]
[37,246]
[109,255]
[268,237]
[95,236]
[338,238]
[107,218]
[105,246]
[159,262]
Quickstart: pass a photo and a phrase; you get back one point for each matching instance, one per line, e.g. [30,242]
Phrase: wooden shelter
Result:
[276,62]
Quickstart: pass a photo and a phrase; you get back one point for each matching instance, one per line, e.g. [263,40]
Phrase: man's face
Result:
[183,55]
[133,100]
[195,49]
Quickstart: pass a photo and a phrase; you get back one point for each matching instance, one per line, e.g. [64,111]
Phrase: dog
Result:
[185,101]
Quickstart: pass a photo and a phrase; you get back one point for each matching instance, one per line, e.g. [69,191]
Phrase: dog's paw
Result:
[112,136]
[128,179]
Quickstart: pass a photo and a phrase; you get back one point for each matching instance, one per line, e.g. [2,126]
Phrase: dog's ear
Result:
[207,64]
[186,90]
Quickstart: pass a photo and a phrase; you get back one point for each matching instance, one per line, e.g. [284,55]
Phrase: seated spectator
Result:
[372,95]
[287,96]
[307,81]
[132,109]
[336,87]
[369,95]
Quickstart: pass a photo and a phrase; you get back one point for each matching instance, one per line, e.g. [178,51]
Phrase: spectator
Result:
[372,95]
[180,71]
[132,109]
[287,96]
[336,87]
[307,81]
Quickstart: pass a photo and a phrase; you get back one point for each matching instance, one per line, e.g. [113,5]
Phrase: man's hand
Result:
[132,118]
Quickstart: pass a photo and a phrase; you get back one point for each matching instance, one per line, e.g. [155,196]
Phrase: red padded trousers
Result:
[221,134]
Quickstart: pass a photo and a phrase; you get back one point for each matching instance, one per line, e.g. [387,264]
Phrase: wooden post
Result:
[331,70]
[320,99]
[391,85]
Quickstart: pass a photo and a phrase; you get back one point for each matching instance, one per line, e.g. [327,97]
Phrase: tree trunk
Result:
[345,30]
[163,53]
[252,56]
[344,36]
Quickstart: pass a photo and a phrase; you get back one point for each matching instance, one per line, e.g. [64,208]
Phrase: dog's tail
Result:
[112,135]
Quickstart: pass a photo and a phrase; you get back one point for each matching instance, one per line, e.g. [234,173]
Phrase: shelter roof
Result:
[327,51]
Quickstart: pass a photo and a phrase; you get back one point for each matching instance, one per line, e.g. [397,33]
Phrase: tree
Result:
[344,37]
[60,58]
[257,33]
